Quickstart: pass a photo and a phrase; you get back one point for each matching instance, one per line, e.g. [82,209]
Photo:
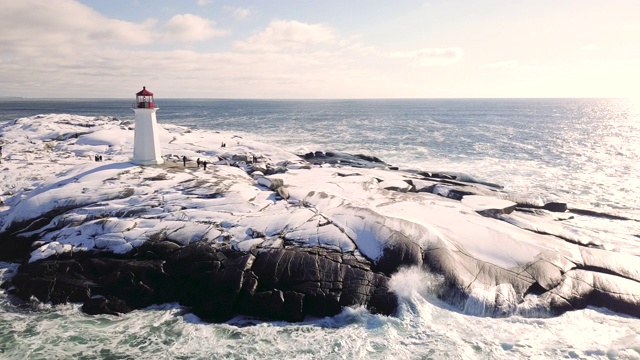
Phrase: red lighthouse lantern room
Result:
[144,99]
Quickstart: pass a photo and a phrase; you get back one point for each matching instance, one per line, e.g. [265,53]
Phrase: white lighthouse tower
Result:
[146,144]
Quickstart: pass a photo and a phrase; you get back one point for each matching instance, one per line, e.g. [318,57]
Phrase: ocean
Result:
[581,151]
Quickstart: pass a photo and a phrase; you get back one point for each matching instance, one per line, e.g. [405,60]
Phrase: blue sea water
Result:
[582,151]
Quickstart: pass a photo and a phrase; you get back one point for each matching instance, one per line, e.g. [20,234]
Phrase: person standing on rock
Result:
[204,164]
[198,163]
[184,160]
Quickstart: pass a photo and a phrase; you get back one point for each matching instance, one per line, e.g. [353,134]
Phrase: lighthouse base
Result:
[148,162]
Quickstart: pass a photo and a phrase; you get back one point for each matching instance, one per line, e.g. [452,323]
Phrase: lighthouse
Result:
[146,144]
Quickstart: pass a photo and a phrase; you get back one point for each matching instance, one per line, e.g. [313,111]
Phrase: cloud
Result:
[204,2]
[590,47]
[190,28]
[429,56]
[30,24]
[64,48]
[288,34]
[47,28]
[239,13]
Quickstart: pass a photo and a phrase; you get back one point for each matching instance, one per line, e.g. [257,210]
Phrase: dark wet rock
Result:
[159,249]
[450,188]
[216,283]
[550,206]
[105,305]
[403,253]
[14,248]
[239,157]
[327,283]
[400,186]
[451,192]
[275,304]
[358,160]
[58,282]
[420,185]
[368,158]
[581,288]
[555,206]
[563,207]
[348,174]
[459,177]
[433,175]
[463,272]
[597,214]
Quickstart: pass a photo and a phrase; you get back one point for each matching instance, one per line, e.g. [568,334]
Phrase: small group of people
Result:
[198,162]
[203,163]
[223,145]
[97,157]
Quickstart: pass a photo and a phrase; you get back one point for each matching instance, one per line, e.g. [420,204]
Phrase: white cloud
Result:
[63,49]
[38,27]
[288,34]
[429,56]
[239,13]
[590,47]
[204,2]
[190,28]
[29,24]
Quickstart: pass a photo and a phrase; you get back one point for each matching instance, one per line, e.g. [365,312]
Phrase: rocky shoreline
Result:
[214,283]
[274,235]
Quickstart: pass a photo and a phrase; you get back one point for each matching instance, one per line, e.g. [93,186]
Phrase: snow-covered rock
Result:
[284,237]
[482,204]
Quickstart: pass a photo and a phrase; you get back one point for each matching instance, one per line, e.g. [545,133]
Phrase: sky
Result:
[331,49]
